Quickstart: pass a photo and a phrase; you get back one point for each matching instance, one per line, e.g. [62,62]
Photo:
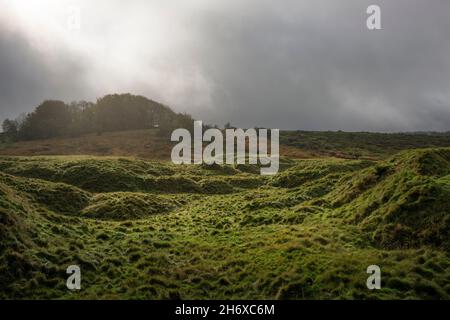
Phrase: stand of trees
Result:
[115,112]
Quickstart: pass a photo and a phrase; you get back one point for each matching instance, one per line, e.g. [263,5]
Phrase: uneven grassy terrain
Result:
[153,230]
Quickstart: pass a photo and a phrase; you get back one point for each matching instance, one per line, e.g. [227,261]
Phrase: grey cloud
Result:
[320,68]
[27,77]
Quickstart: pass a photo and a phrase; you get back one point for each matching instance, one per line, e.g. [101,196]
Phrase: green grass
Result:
[362,144]
[127,205]
[153,230]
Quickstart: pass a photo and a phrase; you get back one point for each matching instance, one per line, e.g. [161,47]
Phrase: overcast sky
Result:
[300,64]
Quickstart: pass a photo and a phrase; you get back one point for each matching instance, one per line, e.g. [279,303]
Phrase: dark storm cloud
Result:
[318,67]
[288,64]
[27,77]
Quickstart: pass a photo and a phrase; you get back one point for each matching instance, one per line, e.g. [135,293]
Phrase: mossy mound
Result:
[15,238]
[57,197]
[127,206]
[307,171]
[402,202]
[91,174]
[12,225]
[429,162]
[99,178]
[119,174]
[215,186]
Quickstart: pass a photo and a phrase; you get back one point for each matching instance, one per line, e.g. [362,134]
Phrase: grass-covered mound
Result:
[132,175]
[401,202]
[58,197]
[307,171]
[15,239]
[194,232]
[92,174]
[127,206]
[13,230]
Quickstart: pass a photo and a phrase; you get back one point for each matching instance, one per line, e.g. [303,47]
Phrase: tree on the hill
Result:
[83,115]
[52,118]
[10,127]
[128,112]
[177,121]
[115,112]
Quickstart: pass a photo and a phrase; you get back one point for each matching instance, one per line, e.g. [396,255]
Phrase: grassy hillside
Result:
[149,229]
[362,144]
[135,143]
[294,144]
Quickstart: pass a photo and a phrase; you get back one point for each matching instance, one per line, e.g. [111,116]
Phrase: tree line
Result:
[115,112]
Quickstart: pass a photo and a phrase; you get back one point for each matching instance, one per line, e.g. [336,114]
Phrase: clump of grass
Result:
[127,206]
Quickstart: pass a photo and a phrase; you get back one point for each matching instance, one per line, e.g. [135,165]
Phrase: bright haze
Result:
[300,64]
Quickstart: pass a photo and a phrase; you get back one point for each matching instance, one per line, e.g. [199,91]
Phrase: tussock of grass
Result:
[127,206]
